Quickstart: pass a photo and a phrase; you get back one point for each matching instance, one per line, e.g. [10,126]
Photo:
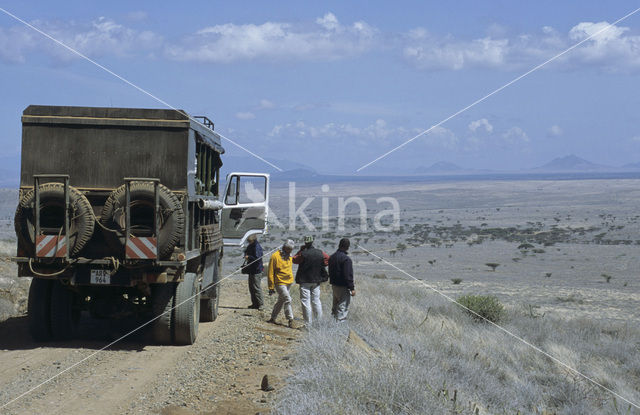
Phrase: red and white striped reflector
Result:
[50,246]
[142,247]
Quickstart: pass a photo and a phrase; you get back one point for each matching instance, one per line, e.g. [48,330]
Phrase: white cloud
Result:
[615,49]
[482,123]
[245,115]
[265,104]
[101,37]
[377,133]
[555,131]
[515,135]
[326,39]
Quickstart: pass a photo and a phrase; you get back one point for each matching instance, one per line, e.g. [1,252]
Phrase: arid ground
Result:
[563,260]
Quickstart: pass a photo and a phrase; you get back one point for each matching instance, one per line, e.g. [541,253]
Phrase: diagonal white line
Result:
[144,91]
[130,333]
[513,81]
[515,336]
[150,246]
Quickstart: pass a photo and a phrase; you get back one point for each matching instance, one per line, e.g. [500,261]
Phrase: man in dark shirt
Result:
[254,267]
[311,272]
[341,278]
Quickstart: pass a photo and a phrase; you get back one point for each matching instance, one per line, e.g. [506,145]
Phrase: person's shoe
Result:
[253,306]
[272,321]
[291,324]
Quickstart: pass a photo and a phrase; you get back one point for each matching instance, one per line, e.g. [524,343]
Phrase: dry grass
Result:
[431,357]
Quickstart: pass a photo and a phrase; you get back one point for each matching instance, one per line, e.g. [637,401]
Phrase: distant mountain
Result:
[439,167]
[631,166]
[296,175]
[571,163]
[252,164]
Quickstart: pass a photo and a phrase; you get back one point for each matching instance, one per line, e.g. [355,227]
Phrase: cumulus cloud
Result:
[376,133]
[245,115]
[325,39]
[515,135]
[482,123]
[101,37]
[614,49]
[265,104]
[555,131]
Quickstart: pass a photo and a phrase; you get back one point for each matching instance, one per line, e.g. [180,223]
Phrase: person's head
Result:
[288,246]
[344,244]
[308,241]
[252,238]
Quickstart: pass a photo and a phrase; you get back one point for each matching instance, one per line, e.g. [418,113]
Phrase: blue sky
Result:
[333,85]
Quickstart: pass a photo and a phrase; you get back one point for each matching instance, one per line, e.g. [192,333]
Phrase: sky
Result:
[333,85]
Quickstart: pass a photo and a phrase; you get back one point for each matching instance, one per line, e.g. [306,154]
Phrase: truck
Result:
[120,214]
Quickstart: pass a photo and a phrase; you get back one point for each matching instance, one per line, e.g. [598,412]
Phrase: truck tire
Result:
[187,310]
[209,307]
[162,302]
[39,309]
[52,216]
[170,228]
[65,312]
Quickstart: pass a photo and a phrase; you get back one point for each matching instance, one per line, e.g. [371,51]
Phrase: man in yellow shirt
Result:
[280,276]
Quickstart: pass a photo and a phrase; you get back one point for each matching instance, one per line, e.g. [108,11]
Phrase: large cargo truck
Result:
[121,214]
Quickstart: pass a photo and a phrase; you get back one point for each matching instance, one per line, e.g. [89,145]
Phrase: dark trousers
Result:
[255,290]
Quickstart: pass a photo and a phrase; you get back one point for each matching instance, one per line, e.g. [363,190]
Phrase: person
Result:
[280,275]
[311,272]
[254,267]
[341,279]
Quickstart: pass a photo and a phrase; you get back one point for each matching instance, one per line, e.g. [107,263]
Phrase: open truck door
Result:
[245,207]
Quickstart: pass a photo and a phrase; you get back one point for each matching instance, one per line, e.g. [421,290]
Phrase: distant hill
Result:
[631,166]
[571,163]
[252,164]
[439,167]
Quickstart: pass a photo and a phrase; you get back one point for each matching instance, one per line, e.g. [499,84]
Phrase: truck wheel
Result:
[171,225]
[187,311]
[65,312]
[209,307]
[162,302]
[52,216]
[39,309]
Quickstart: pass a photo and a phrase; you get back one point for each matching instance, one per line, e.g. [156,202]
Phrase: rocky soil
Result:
[221,373]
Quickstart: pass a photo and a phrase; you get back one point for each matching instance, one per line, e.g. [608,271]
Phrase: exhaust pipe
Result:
[207,204]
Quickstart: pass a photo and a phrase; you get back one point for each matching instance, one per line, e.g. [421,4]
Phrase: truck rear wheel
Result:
[162,302]
[39,309]
[65,312]
[187,311]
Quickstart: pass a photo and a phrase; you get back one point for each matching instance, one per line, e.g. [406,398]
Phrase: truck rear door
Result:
[245,207]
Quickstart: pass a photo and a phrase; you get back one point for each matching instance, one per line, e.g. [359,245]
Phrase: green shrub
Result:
[486,306]
[456,281]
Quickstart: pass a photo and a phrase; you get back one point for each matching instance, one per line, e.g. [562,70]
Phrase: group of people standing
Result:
[314,268]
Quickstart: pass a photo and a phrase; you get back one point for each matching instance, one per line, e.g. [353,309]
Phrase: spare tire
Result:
[171,220]
[52,216]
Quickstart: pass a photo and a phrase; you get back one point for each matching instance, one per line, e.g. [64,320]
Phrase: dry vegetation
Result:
[425,355]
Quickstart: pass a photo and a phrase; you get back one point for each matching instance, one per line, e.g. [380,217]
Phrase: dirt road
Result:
[221,373]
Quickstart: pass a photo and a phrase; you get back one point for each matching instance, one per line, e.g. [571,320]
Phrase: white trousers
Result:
[310,299]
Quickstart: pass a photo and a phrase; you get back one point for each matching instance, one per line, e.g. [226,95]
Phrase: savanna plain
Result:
[558,261]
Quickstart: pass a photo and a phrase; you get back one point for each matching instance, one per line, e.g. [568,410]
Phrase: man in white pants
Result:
[311,272]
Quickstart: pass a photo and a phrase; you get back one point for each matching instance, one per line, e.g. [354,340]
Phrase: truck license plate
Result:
[100,276]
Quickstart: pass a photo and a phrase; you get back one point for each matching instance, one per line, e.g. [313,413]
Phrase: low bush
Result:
[486,306]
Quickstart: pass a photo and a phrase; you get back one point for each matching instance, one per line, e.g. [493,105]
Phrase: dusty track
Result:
[220,373]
